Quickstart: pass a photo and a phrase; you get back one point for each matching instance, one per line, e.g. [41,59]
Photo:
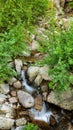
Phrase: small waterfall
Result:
[42,115]
[28,88]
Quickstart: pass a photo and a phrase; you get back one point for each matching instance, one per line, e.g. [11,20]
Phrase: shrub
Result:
[15,18]
[30,126]
[58,47]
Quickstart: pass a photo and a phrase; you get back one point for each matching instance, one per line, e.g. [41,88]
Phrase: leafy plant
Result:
[30,126]
[59,55]
[16,16]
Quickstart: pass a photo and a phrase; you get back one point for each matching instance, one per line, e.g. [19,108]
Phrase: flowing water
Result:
[43,115]
[27,87]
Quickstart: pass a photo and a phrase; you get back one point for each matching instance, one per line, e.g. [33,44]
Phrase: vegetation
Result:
[15,16]
[58,47]
[30,126]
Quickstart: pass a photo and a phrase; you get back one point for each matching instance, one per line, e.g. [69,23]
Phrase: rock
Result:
[17,84]
[32,72]
[19,128]
[2,98]
[44,72]
[44,87]
[38,80]
[34,45]
[13,79]
[63,100]
[44,95]
[25,99]
[21,121]
[11,64]
[38,73]
[8,110]
[6,123]
[4,88]
[18,65]
[13,100]
[42,124]
[53,121]
[64,124]
[38,103]
[13,93]
[26,54]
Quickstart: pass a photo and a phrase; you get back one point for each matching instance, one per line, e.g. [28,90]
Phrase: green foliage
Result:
[15,18]
[30,126]
[58,47]
[13,12]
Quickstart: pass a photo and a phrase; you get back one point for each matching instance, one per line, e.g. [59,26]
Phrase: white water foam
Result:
[42,115]
[28,88]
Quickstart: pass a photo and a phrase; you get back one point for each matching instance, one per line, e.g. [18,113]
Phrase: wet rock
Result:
[44,95]
[32,72]
[17,84]
[38,103]
[64,124]
[25,99]
[53,121]
[43,125]
[4,88]
[13,100]
[2,98]
[6,123]
[18,65]
[21,121]
[19,128]
[63,100]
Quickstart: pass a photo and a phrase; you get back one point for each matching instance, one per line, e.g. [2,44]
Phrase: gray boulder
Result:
[6,123]
[25,99]
[63,100]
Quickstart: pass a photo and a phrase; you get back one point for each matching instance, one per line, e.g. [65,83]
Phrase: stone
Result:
[53,121]
[35,45]
[44,87]
[26,54]
[2,98]
[17,84]
[13,93]
[64,124]
[6,123]
[12,80]
[19,128]
[38,103]
[4,88]
[18,65]
[44,95]
[38,80]
[25,99]
[8,110]
[63,100]
[32,72]
[44,72]
[42,124]
[21,121]
[13,100]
